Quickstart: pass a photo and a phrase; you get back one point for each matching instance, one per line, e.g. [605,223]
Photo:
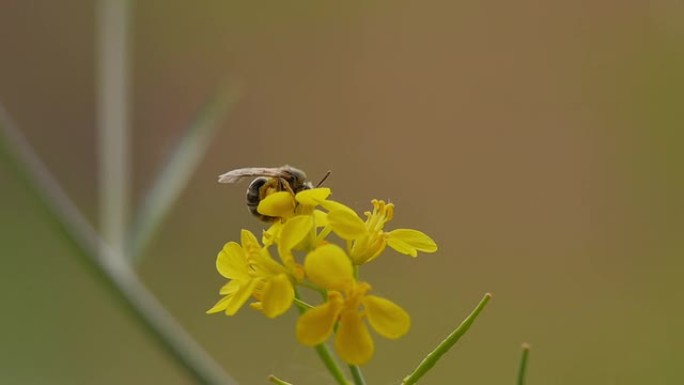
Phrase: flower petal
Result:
[249,242]
[279,204]
[231,303]
[346,224]
[277,296]
[333,205]
[293,232]
[386,317]
[221,305]
[241,296]
[264,265]
[272,235]
[353,342]
[367,247]
[314,196]
[316,325]
[329,267]
[231,262]
[320,218]
[402,247]
[230,288]
[409,242]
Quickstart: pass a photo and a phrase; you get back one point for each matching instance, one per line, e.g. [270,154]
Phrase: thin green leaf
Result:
[523,364]
[112,269]
[275,380]
[431,359]
[113,27]
[176,173]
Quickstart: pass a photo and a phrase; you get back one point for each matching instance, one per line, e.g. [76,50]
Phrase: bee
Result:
[267,181]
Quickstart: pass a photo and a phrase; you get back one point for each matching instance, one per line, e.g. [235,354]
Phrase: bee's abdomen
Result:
[255,193]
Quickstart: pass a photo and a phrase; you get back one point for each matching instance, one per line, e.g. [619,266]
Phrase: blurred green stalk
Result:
[113,269]
[275,380]
[523,364]
[113,120]
[179,168]
[105,254]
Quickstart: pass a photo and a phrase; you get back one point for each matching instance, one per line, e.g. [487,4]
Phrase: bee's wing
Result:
[235,176]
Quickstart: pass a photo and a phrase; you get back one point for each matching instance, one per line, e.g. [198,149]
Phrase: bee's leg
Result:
[285,186]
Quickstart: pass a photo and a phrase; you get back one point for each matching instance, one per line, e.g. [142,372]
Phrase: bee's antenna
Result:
[327,174]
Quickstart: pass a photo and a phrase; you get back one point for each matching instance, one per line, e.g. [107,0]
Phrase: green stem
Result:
[523,364]
[178,169]
[112,268]
[277,380]
[323,234]
[431,359]
[114,24]
[301,304]
[326,356]
[357,375]
[309,285]
[324,352]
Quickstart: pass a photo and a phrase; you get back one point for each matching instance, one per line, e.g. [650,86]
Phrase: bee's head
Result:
[296,176]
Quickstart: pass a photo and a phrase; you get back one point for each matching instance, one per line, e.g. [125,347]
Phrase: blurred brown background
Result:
[539,143]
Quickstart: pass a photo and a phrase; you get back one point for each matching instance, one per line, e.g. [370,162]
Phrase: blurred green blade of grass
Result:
[522,367]
[114,37]
[176,173]
[112,268]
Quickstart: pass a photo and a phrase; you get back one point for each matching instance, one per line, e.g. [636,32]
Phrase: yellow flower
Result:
[368,239]
[284,205]
[252,272]
[298,220]
[347,305]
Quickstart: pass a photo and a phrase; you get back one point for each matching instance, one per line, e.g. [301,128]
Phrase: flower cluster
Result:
[306,257]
